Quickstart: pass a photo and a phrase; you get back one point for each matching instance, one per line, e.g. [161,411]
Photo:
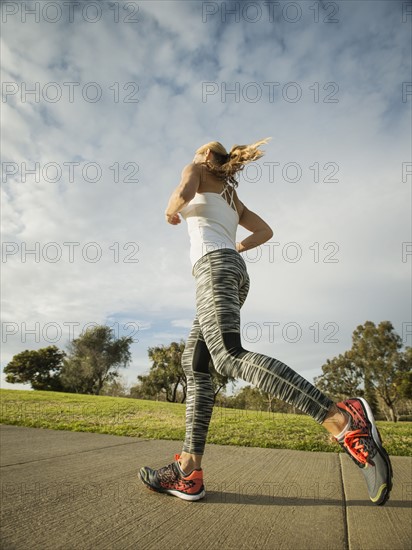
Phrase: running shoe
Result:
[363,444]
[171,480]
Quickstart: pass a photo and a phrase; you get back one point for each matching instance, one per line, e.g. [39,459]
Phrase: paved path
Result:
[68,490]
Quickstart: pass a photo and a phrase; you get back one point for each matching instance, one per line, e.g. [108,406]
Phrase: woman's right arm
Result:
[183,193]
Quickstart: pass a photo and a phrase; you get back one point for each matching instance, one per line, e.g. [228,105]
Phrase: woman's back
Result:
[211,217]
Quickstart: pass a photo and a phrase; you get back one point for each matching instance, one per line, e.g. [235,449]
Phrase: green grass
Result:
[155,420]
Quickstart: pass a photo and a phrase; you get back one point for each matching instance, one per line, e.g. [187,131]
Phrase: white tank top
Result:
[212,222]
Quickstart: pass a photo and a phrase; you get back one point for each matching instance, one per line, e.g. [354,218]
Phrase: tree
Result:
[94,359]
[375,365]
[404,380]
[166,373]
[378,349]
[250,397]
[118,387]
[341,377]
[41,368]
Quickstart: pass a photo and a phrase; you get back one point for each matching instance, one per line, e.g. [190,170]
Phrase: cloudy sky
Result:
[103,105]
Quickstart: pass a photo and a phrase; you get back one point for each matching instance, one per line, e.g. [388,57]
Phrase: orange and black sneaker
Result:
[172,480]
[363,444]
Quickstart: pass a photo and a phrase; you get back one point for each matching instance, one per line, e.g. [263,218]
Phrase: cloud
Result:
[106,168]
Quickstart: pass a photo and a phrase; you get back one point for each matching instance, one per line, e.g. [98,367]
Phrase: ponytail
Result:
[226,165]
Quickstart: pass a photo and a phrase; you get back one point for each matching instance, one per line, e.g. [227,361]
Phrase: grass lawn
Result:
[156,420]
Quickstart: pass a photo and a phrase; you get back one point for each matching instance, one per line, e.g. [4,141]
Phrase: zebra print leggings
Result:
[222,284]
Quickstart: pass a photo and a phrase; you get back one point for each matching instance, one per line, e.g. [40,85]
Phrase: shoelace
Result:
[355,447]
[167,473]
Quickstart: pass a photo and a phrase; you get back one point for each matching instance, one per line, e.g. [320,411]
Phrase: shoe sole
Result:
[173,492]
[378,442]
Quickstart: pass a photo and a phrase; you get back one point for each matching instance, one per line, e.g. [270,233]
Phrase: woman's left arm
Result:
[261,231]
[184,193]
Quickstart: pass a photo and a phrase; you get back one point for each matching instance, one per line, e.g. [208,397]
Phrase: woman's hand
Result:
[173,219]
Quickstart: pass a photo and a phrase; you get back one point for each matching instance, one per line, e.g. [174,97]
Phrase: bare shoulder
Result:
[191,174]
[191,169]
[190,181]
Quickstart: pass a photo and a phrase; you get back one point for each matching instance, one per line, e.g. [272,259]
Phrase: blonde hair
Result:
[226,165]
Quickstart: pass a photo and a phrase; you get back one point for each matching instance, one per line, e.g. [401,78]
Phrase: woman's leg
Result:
[200,393]
[220,279]
[199,398]
[222,283]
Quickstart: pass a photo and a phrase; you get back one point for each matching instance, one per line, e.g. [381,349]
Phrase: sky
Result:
[104,103]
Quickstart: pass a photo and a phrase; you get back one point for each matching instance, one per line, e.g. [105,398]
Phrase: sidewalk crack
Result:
[69,454]
[345,514]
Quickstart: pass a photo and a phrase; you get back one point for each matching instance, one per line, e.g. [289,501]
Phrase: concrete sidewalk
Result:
[70,490]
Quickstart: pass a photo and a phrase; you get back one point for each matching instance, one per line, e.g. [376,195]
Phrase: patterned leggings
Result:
[222,284]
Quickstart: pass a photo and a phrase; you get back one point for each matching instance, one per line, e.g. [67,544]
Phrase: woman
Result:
[206,197]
